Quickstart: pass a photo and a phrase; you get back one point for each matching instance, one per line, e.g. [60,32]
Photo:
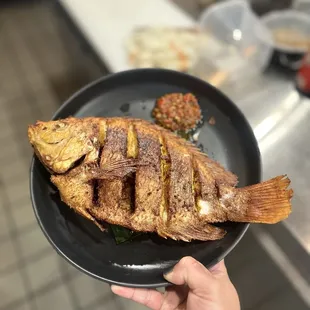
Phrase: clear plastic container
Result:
[241,45]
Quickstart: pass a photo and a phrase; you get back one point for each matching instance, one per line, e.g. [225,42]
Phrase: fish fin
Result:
[204,232]
[114,170]
[87,215]
[76,193]
[269,201]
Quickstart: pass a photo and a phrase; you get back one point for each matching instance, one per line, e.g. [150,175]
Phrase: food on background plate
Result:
[292,38]
[177,112]
[174,48]
[141,176]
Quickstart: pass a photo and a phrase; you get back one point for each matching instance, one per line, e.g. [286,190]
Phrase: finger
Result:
[150,298]
[174,297]
[191,272]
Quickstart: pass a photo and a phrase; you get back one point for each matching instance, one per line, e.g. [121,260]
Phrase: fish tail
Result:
[269,201]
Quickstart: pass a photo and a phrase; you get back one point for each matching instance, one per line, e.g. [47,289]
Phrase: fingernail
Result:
[220,266]
[115,288]
[168,275]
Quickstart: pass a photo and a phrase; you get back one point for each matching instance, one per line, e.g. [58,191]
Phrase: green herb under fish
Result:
[185,135]
[122,234]
[192,134]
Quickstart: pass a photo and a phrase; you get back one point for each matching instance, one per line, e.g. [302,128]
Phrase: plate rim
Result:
[55,116]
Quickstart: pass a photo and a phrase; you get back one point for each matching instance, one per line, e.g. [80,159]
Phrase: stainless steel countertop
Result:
[280,118]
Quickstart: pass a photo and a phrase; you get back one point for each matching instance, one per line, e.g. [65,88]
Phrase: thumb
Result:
[189,271]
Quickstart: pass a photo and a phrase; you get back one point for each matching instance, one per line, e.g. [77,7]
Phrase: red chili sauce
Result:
[177,112]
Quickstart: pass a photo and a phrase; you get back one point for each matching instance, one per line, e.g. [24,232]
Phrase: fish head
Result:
[60,144]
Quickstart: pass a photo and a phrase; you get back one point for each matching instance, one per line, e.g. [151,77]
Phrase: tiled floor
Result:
[41,64]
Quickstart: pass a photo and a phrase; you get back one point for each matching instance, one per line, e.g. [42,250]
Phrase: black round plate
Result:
[142,262]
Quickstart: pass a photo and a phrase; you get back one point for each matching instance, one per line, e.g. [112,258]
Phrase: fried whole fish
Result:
[138,175]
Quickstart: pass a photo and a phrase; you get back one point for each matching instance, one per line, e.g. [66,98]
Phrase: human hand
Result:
[196,288]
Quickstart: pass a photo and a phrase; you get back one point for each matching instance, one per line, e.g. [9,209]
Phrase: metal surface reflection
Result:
[280,118]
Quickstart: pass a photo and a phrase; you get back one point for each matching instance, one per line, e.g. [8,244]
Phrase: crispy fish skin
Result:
[114,193]
[138,175]
[148,185]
